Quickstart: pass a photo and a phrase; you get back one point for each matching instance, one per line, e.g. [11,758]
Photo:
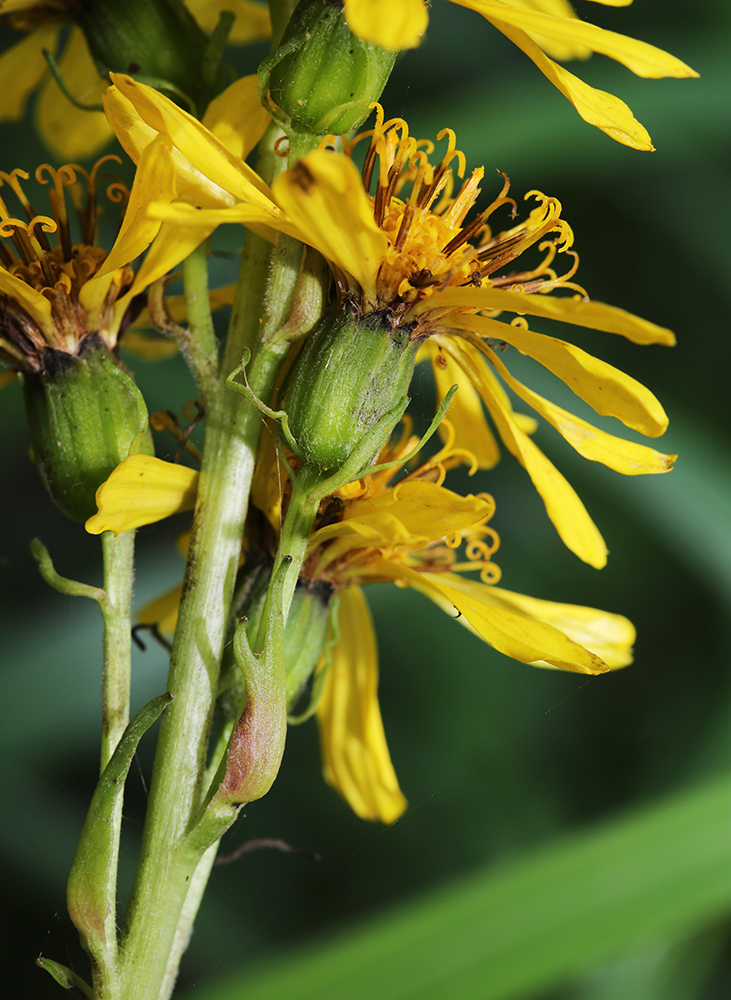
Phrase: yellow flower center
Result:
[431,241]
[39,251]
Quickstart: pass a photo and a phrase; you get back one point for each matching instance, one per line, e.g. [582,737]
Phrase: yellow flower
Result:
[409,251]
[54,296]
[67,130]
[537,27]
[409,533]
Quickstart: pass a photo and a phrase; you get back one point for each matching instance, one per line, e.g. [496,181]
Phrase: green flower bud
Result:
[85,416]
[155,40]
[323,78]
[350,374]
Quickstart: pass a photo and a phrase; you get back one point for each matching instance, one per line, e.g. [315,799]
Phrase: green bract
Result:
[352,372]
[323,78]
[85,416]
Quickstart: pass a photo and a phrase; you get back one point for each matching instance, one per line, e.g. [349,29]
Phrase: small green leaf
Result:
[92,884]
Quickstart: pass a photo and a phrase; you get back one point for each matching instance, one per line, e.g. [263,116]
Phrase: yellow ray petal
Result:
[392,24]
[252,22]
[608,635]
[643,59]
[172,245]
[568,514]
[558,8]
[597,107]
[355,757]
[323,195]
[605,388]
[36,305]
[70,132]
[577,311]
[466,413]
[265,221]
[205,153]
[626,457]
[142,490]
[133,133]
[21,69]
[6,377]
[162,612]
[507,630]
[154,181]
[412,514]
[237,117]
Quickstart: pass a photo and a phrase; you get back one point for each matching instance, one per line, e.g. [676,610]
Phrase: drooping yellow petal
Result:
[21,69]
[355,757]
[324,196]
[154,181]
[596,107]
[605,388]
[577,311]
[133,133]
[142,490]
[625,457]
[508,630]
[71,132]
[162,612]
[252,22]
[609,636]
[172,245]
[643,59]
[36,305]
[568,514]
[392,24]
[236,117]
[225,177]
[6,377]
[466,412]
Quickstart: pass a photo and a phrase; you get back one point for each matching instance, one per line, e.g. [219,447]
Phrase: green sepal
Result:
[85,416]
[352,372]
[322,78]
[64,976]
[92,884]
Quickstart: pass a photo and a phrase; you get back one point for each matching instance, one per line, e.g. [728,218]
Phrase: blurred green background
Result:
[499,762]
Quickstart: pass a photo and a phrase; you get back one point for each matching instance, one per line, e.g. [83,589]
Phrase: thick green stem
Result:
[116,610]
[169,865]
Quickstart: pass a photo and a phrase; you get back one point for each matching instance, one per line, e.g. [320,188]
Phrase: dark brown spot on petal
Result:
[302,177]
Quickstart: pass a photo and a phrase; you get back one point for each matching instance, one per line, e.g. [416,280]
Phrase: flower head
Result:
[391,526]
[55,298]
[541,28]
[401,240]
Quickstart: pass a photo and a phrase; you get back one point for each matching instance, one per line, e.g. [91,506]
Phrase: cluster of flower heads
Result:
[398,239]
[402,237]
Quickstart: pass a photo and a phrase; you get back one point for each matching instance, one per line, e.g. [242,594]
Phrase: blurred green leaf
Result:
[530,925]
